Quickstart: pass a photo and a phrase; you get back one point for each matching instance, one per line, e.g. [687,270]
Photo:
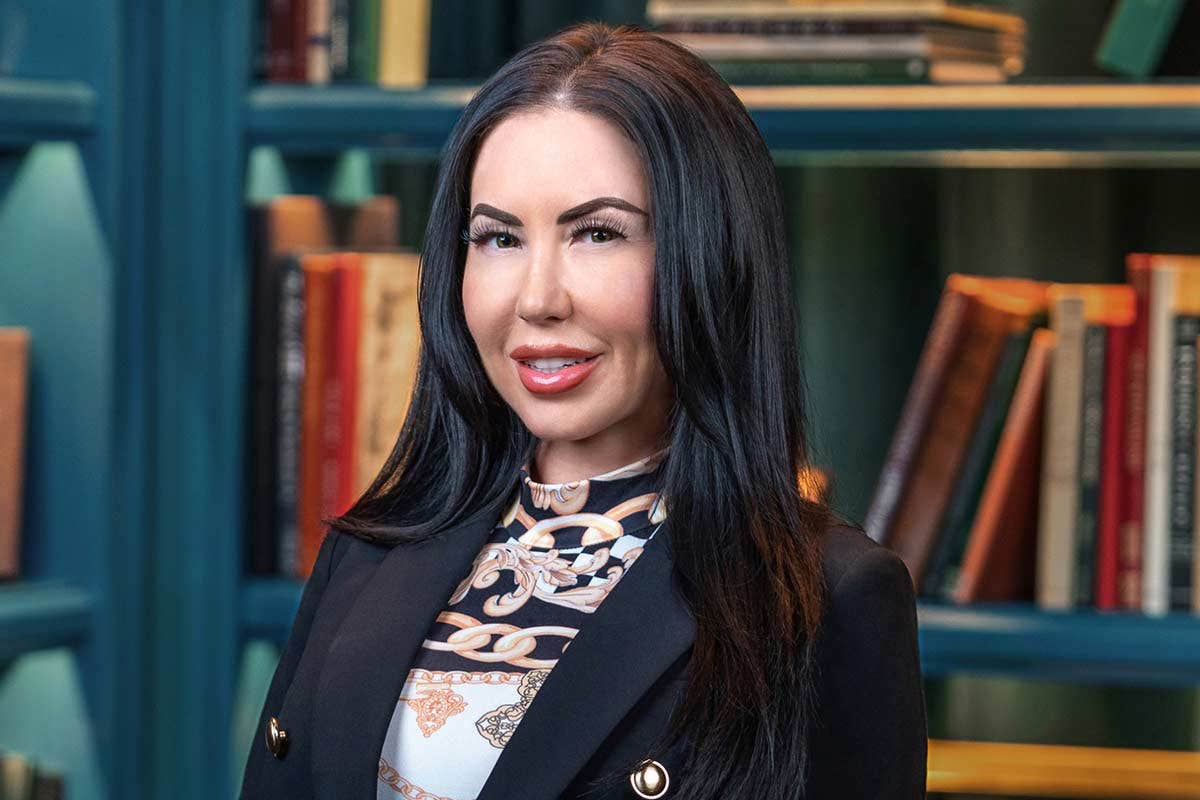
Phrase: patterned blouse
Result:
[550,562]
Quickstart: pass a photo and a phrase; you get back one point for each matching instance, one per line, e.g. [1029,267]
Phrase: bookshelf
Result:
[135,615]
[70,666]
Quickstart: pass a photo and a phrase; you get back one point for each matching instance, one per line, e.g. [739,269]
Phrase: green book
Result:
[364,40]
[1136,36]
[769,72]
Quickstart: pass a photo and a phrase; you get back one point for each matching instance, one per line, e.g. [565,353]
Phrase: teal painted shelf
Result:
[41,615]
[1084,646]
[1095,117]
[1016,641]
[33,110]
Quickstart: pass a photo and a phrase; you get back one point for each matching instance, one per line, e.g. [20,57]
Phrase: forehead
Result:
[563,154]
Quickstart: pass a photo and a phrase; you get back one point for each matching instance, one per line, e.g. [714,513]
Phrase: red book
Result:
[1129,562]
[341,394]
[1113,475]
[287,36]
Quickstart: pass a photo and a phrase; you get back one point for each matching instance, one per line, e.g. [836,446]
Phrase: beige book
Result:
[14,393]
[390,341]
[1059,504]
[403,43]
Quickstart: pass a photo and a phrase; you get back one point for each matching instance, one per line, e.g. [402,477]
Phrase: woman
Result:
[586,571]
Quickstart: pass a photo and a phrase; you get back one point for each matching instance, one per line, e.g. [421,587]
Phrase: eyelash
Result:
[585,225]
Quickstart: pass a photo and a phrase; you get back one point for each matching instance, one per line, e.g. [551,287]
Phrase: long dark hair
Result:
[746,541]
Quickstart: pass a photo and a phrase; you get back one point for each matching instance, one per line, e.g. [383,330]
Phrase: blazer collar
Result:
[377,641]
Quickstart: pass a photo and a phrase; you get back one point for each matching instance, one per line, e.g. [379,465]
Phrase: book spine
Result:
[364,40]
[14,401]
[1156,538]
[288,32]
[1059,504]
[1183,459]
[769,72]
[318,42]
[936,356]
[1091,442]
[340,21]
[1129,576]
[349,320]
[1113,475]
[815,26]
[288,413]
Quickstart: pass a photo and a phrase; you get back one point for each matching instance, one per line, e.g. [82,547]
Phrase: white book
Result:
[1156,534]
[1058,509]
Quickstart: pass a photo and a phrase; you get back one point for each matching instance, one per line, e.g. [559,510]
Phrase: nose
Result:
[544,297]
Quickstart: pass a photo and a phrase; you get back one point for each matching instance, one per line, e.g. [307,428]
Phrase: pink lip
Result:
[562,380]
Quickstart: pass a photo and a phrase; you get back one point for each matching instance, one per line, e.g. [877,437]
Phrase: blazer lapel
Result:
[639,630]
[376,642]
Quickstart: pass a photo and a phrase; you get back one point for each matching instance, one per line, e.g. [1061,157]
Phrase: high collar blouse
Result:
[559,550]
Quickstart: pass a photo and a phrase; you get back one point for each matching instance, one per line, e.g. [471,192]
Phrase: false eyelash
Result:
[600,224]
[591,223]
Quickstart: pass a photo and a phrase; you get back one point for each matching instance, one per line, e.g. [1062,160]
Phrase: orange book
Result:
[315,485]
[1001,548]
[14,392]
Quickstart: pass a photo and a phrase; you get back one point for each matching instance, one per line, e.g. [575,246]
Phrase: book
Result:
[659,12]
[1136,36]
[317,66]
[1129,566]
[951,543]
[992,316]
[403,43]
[775,72]
[1001,553]
[1114,473]
[14,398]
[1059,500]
[287,35]
[389,344]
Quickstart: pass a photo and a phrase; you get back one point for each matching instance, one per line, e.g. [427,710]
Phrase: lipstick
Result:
[542,371]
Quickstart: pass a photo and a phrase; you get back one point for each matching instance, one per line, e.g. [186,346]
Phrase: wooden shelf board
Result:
[993,768]
[37,615]
[39,110]
[1098,118]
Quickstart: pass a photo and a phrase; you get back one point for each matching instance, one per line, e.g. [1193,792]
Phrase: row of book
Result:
[14,392]
[1047,446]
[383,42]
[848,41]
[333,360]
[22,778]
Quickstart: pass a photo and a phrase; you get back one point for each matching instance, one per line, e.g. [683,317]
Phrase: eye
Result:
[505,238]
[608,230]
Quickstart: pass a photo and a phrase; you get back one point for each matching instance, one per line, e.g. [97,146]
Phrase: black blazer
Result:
[366,609]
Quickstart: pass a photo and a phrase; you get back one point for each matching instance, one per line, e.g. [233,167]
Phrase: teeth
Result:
[552,364]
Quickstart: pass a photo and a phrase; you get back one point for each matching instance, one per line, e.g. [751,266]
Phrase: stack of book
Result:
[846,41]
[334,357]
[384,42]
[1047,446]
[23,779]
[14,391]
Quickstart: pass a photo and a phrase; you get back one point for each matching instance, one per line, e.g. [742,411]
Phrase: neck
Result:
[565,461]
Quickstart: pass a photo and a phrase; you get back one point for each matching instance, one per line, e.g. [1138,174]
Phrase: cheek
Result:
[482,306]
[622,307]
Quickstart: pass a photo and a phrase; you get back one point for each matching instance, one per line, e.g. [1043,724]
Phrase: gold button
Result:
[650,780]
[277,738]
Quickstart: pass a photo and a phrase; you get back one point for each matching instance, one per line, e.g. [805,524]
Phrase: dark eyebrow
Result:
[567,216]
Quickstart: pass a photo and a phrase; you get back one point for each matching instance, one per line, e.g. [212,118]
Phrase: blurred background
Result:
[982,203]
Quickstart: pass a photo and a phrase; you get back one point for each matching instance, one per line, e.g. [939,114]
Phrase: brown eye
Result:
[604,235]
[504,240]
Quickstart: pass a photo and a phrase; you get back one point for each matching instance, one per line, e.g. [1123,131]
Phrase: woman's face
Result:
[558,283]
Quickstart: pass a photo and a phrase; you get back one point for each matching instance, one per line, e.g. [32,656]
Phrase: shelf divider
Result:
[39,110]
[40,615]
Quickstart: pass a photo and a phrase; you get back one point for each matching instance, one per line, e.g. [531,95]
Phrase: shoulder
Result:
[850,559]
